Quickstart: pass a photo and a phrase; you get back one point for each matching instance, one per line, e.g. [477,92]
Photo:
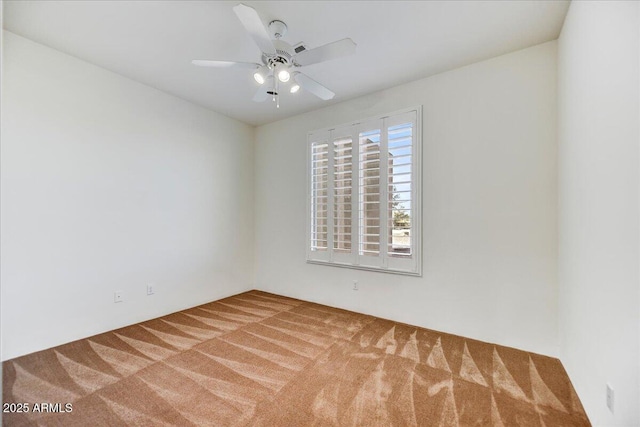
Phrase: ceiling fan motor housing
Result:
[284,53]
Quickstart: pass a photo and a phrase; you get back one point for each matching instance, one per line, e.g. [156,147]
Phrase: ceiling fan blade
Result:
[326,52]
[265,90]
[254,26]
[261,94]
[224,64]
[307,83]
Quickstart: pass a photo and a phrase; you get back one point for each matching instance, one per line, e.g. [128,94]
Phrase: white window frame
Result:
[383,262]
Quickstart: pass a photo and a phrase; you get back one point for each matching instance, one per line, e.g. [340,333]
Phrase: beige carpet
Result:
[258,359]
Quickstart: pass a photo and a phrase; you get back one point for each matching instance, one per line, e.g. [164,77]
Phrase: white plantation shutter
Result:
[364,202]
[402,195]
[319,200]
[341,184]
[370,196]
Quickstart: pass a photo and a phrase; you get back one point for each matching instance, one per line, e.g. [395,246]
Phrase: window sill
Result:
[367,268]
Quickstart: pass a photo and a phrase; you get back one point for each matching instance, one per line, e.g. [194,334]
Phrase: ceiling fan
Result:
[280,60]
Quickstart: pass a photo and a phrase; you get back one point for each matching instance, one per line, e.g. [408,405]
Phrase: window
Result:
[364,194]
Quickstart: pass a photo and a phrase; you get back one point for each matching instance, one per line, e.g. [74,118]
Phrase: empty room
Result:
[320,213]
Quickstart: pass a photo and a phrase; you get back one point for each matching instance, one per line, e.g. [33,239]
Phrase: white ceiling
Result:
[153,42]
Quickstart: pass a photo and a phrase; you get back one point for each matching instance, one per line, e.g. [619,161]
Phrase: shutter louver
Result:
[399,146]
[319,195]
[342,185]
[369,193]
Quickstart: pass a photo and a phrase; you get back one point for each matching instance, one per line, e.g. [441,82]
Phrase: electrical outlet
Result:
[355,285]
[151,289]
[117,296]
[610,398]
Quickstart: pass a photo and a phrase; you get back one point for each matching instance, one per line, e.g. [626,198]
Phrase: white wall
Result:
[108,185]
[598,87]
[489,197]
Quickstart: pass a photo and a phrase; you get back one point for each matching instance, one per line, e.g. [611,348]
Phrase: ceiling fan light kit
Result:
[261,74]
[280,59]
[282,72]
